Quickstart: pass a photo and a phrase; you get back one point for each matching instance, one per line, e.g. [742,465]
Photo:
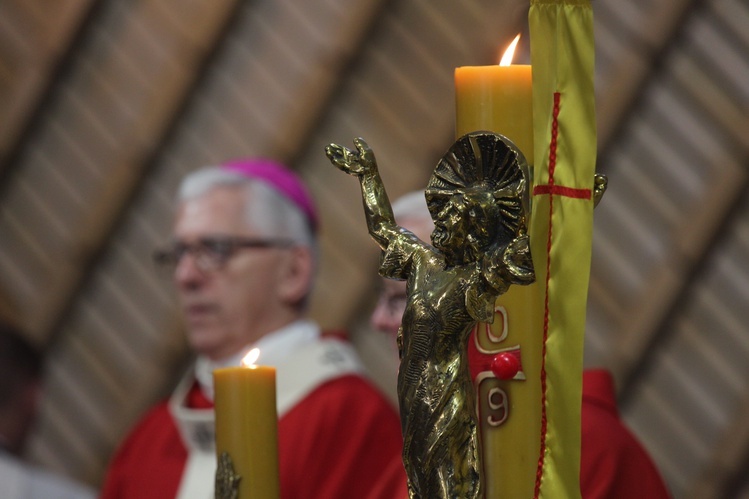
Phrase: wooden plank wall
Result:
[669,292]
[105,105]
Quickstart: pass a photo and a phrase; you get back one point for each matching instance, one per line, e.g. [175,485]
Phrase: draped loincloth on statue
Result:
[436,397]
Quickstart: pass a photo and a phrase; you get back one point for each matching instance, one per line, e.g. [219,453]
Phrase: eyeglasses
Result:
[394,302]
[212,253]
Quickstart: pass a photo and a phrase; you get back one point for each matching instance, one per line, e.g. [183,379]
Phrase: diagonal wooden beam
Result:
[202,29]
[645,320]
[625,84]
[668,286]
[726,467]
[37,40]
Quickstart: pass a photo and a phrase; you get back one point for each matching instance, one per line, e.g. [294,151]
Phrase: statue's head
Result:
[478,197]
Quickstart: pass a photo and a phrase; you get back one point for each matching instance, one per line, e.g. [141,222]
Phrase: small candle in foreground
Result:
[247,429]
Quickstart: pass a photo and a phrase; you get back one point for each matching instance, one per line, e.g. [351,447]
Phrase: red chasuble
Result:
[337,441]
[614,464]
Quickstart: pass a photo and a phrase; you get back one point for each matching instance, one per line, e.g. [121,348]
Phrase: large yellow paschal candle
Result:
[247,427]
[499,99]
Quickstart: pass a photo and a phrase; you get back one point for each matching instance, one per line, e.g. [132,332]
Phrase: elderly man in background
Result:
[613,463]
[244,258]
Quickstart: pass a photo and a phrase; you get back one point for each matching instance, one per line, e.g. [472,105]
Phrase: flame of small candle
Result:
[251,357]
[507,57]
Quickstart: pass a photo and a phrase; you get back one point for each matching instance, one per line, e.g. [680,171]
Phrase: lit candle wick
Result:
[251,357]
[507,57]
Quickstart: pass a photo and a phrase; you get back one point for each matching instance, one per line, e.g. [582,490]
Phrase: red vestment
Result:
[355,436]
[614,465]
[336,441]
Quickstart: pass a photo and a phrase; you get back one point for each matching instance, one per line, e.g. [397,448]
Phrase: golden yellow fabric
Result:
[562,56]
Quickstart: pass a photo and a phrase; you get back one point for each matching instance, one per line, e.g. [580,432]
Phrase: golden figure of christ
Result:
[479,201]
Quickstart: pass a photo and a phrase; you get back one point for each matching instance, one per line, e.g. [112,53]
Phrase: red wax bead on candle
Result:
[505,365]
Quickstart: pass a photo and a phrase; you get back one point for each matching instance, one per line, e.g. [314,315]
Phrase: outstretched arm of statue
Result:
[362,164]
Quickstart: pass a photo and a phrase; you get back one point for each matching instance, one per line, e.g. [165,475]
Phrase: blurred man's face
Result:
[227,307]
[391,304]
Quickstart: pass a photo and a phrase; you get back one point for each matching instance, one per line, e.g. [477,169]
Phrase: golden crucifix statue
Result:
[478,198]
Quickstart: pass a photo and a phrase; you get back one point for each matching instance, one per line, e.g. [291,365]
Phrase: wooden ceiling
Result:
[105,104]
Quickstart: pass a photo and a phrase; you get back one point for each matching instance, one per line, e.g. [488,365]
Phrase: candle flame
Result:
[251,357]
[507,57]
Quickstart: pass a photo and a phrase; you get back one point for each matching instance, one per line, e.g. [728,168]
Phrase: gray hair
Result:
[412,205]
[411,213]
[266,210]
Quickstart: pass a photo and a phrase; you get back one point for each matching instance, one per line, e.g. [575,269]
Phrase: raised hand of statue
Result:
[357,163]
